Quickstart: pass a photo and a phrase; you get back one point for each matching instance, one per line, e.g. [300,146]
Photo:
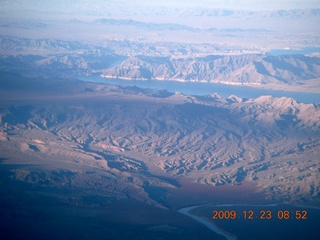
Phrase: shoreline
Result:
[308,88]
[301,94]
[208,224]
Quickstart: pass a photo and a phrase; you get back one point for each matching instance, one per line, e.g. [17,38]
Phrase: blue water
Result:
[224,90]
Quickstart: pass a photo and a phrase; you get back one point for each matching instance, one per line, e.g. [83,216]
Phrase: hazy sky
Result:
[105,5]
[239,4]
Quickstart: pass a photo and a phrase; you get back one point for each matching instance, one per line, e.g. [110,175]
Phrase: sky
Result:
[98,6]
[240,4]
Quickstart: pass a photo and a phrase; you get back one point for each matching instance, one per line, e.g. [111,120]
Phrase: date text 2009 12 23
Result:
[260,215]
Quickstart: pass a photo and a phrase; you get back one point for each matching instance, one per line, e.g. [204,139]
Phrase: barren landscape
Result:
[160,61]
[159,134]
[92,145]
[83,159]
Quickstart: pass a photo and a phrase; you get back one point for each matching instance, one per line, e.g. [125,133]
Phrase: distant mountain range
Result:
[293,14]
[288,13]
[171,26]
[178,62]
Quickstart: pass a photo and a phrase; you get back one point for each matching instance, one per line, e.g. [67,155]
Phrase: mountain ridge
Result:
[241,69]
[141,135]
[181,63]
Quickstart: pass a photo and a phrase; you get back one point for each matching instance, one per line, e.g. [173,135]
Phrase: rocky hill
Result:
[236,69]
[140,139]
[145,61]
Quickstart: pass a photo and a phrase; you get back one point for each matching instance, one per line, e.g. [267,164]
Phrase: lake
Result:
[191,88]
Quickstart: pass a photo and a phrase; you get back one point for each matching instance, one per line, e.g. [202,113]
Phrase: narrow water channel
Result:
[208,224]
